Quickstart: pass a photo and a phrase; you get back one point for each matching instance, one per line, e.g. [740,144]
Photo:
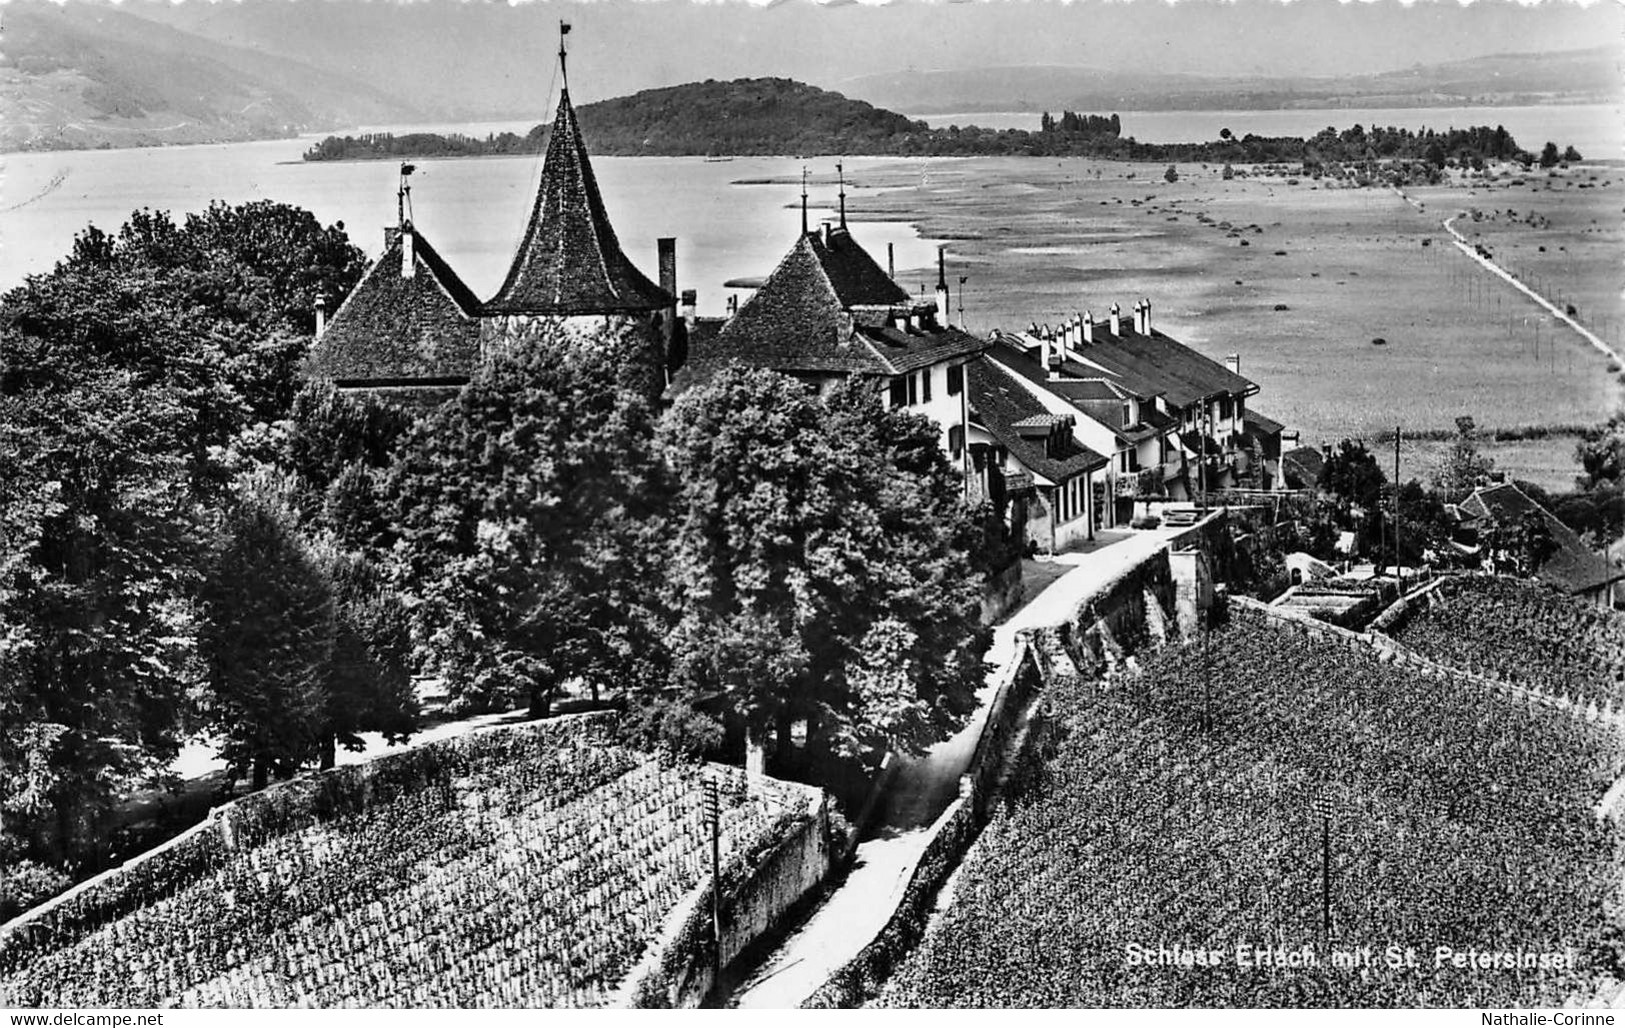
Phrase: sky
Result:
[635,44]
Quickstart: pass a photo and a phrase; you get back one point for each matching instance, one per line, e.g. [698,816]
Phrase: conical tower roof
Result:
[570,261]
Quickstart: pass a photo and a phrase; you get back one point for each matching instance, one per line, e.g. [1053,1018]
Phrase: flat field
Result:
[1298,279]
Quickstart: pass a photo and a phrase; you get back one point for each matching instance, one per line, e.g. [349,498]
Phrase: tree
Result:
[267,633]
[1229,172]
[1549,156]
[821,568]
[1571,155]
[1352,475]
[99,531]
[1462,468]
[1601,456]
[527,514]
[367,682]
[1171,175]
[1434,154]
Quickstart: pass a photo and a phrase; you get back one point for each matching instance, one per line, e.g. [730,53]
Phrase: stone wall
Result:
[1009,724]
[758,888]
[1003,593]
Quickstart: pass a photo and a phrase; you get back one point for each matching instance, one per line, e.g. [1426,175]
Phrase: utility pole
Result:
[1322,806]
[1398,574]
[713,815]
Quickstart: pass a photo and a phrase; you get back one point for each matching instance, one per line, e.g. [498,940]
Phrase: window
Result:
[1224,408]
[1128,414]
[899,392]
[956,439]
[956,380]
[925,385]
[913,393]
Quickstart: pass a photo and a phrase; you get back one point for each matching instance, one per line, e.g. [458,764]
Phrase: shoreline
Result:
[1616,103]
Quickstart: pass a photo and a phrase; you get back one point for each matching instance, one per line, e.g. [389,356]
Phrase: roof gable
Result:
[570,261]
[1021,423]
[1571,565]
[397,328]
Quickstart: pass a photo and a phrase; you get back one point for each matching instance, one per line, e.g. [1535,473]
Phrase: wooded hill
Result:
[783,117]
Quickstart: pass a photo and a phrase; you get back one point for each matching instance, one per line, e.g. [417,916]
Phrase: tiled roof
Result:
[999,403]
[569,261]
[1159,364]
[397,329]
[799,321]
[1265,425]
[1107,412]
[1151,365]
[1572,566]
[852,273]
[902,351]
[1303,466]
[793,323]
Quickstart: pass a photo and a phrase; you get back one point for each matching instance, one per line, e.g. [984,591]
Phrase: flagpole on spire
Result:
[840,174]
[564,72]
[803,199]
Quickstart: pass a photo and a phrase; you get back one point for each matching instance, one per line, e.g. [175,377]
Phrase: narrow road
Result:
[854,913]
[1513,280]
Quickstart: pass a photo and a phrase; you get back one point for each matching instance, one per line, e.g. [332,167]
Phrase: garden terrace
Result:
[1524,633]
[1174,804]
[526,865]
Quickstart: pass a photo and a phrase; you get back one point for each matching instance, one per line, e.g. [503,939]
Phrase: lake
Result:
[1596,130]
[473,210]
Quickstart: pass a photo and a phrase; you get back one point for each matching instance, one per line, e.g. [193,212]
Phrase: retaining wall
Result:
[951,835]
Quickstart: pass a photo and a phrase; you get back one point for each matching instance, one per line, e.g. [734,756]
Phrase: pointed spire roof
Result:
[570,261]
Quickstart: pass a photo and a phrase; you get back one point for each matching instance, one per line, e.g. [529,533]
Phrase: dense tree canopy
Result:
[523,509]
[822,566]
[130,376]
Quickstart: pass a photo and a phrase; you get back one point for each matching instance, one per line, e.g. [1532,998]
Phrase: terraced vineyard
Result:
[1524,633]
[525,873]
[1173,807]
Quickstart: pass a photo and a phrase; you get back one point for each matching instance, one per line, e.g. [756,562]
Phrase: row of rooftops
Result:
[411,318]
[827,309]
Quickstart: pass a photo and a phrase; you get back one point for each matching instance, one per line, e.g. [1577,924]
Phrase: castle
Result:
[1076,423]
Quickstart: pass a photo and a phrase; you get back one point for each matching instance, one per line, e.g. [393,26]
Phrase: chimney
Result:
[1088,327]
[690,302]
[733,304]
[666,249]
[1232,363]
[1117,319]
[409,264]
[321,314]
[1146,306]
[942,288]
[825,228]
[891,261]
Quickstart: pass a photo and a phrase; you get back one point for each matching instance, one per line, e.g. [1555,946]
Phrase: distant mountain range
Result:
[1572,76]
[86,75]
[76,76]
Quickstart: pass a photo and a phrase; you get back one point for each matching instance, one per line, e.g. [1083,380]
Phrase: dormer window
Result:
[1128,414]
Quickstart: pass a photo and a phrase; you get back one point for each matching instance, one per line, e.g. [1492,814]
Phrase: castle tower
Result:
[570,273]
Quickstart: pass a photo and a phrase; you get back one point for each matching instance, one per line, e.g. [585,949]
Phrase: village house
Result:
[828,313]
[413,332]
[1174,422]
[1494,522]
